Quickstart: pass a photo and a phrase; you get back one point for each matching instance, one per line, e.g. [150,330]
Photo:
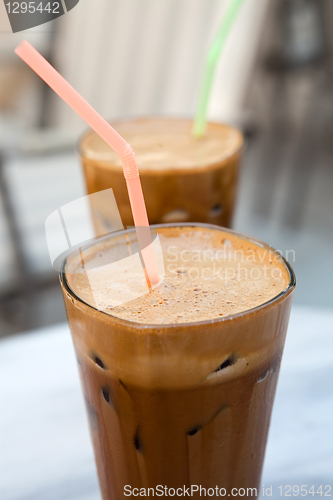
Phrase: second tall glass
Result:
[184,179]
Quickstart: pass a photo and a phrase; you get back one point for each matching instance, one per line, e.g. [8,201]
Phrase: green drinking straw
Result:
[212,58]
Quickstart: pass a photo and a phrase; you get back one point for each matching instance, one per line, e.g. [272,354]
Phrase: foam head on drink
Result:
[180,382]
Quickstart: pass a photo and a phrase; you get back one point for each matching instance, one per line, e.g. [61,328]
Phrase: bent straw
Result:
[210,65]
[131,173]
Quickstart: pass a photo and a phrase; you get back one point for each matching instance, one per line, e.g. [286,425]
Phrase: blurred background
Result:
[136,57]
[139,57]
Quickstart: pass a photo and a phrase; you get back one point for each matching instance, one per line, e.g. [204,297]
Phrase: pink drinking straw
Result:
[131,173]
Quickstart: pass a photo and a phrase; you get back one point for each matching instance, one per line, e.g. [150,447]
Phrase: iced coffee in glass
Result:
[184,179]
[179,383]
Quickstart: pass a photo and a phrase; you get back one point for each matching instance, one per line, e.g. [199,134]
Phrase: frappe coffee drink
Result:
[179,383]
[184,179]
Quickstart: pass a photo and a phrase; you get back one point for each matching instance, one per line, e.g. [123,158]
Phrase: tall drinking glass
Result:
[179,383]
[184,179]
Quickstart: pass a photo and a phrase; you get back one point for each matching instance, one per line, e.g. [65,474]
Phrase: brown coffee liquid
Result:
[173,402]
[184,179]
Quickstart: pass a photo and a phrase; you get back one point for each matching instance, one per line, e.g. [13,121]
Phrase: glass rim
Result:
[87,131]
[136,325]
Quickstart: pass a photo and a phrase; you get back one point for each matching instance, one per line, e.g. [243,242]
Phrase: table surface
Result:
[46,452]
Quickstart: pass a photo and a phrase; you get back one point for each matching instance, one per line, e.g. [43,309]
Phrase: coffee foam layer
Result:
[166,144]
[209,274]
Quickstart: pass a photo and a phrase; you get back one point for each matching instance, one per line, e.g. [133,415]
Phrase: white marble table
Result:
[45,448]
